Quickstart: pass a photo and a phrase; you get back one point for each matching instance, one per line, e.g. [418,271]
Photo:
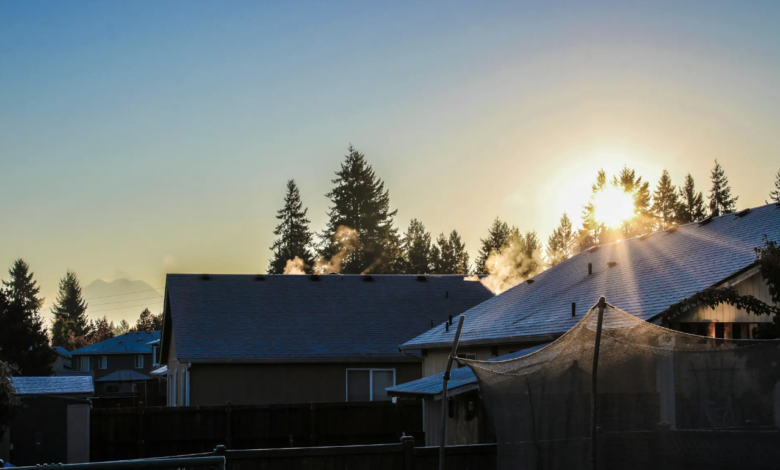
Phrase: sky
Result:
[147,137]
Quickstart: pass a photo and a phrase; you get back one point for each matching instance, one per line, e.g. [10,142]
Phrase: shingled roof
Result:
[643,276]
[134,342]
[289,318]
[55,385]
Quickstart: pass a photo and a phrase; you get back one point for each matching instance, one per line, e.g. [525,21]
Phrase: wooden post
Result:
[728,331]
[594,383]
[711,329]
[444,403]
[312,424]
[408,442]
[141,432]
[228,425]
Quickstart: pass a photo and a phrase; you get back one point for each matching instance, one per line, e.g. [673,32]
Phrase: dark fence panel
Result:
[131,433]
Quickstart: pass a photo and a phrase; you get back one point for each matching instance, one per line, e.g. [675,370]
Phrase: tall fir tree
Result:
[665,202]
[560,245]
[498,236]
[361,202]
[148,321]
[774,196]
[721,201]
[691,203]
[295,238]
[449,255]
[122,328]
[9,401]
[416,248]
[592,230]
[102,330]
[70,325]
[643,220]
[23,340]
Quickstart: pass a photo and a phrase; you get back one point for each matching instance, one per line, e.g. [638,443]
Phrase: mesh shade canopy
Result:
[665,399]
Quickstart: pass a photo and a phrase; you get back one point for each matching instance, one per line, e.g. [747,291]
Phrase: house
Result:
[52,425]
[643,276]
[62,361]
[121,367]
[265,339]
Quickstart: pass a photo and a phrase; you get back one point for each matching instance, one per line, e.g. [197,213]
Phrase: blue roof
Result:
[55,385]
[134,342]
[652,273]
[61,351]
[123,375]
[432,385]
[291,318]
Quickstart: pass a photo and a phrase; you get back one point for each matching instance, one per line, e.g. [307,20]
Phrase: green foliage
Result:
[23,340]
[498,236]
[9,403]
[774,196]
[691,204]
[295,238]
[560,245]
[721,201]
[361,202]
[665,202]
[101,330]
[70,326]
[591,232]
[449,255]
[148,321]
[644,220]
[120,329]
[416,248]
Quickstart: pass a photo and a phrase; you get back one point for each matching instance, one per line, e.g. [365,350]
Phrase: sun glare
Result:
[613,207]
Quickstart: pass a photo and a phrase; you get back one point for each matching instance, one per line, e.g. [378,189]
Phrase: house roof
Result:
[161,371]
[289,318]
[55,385]
[123,375]
[61,351]
[652,273]
[134,342]
[461,377]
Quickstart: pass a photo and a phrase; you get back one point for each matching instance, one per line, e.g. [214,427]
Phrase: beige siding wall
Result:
[178,377]
[754,285]
[245,384]
[435,362]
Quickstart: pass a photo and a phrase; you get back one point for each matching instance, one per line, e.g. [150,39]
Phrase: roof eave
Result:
[303,360]
[486,341]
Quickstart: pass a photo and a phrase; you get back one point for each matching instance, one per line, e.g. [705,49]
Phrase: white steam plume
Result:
[294,266]
[510,266]
[347,239]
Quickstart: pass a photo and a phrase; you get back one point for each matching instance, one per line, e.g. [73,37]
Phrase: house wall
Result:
[115,362]
[178,377]
[462,428]
[724,313]
[435,360]
[245,384]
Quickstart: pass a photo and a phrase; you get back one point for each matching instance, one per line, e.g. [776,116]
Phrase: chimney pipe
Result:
[590,269]
[446,326]
[573,309]
[450,319]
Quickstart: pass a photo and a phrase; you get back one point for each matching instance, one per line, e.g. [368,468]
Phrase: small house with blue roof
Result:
[271,339]
[644,276]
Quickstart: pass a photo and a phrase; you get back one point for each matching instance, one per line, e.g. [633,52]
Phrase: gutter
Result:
[488,341]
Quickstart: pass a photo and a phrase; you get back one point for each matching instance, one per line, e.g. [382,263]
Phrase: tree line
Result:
[360,201]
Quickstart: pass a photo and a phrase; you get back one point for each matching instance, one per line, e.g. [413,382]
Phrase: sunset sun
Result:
[613,207]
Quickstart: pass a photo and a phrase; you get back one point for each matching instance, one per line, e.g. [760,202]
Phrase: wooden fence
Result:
[131,433]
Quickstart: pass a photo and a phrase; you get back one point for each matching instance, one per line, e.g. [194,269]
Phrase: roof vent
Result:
[530,281]
[612,264]
[422,278]
[705,221]
[259,277]
[672,229]
[590,269]
[314,277]
[742,213]
[205,277]
[573,308]
[368,278]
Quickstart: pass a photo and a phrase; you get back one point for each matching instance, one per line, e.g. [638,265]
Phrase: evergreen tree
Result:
[498,236]
[416,248]
[361,202]
[9,402]
[70,318]
[665,202]
[148,321]
[295,238]
[122,328]
[23,340]
[639,190]
[775,195]
[592,230]
[101,330]
[691,204]
[449,255]
[721,201]
[560,245]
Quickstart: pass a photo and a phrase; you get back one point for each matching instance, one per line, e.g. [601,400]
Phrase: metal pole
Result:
[444,393]
[594,383]
[216,461]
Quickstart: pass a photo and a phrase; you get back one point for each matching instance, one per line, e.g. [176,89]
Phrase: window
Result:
[155,361]
[84,363]
[103,362]
[369,384]
[139,361]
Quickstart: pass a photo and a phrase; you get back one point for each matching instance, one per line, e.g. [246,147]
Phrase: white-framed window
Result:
[369,384]
[103,362]
[84,363]
[155,361]
[139,361]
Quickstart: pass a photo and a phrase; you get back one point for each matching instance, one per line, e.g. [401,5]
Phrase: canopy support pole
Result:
[594,383]
[444,403]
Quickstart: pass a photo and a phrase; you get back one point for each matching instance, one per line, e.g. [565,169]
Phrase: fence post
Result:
[228,425]
[141,431]
[408,442]
[312,422]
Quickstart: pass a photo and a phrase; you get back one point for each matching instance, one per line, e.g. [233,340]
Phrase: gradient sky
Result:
[139,138]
